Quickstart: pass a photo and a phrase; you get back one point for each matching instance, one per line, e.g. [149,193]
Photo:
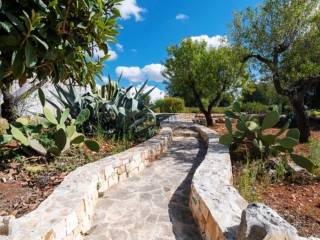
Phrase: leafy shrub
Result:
[171,105]
[248,130]
[219,109]
[254,108]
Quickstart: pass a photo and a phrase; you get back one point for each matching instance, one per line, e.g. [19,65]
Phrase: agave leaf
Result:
[41,97]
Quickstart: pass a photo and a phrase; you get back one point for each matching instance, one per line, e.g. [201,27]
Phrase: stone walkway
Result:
[154,204]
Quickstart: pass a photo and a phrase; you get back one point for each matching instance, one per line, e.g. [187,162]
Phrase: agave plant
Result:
[119,111]
[248,128]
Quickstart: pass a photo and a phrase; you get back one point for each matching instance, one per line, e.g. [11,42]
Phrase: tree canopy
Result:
[193,69]
[282,40]
[54,39]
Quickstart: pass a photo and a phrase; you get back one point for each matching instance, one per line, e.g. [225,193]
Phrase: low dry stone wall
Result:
[216,205]
[220,210]
[67,213]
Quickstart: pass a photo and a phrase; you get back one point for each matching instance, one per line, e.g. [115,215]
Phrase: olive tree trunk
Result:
[8,108]
[302,119]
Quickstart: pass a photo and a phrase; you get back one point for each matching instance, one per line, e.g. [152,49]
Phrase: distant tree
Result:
[46,40]
[282,38]
[265,93]
[202,74]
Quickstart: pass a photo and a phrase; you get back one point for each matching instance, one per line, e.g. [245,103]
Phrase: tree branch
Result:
[35,87]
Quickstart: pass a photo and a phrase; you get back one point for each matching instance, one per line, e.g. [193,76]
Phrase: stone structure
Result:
[68,211]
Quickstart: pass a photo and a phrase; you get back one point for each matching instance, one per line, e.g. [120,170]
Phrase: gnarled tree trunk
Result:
[209,118]
[8,108]
[302,118]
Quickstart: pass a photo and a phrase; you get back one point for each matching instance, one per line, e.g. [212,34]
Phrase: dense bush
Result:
[254,107]
[170,105]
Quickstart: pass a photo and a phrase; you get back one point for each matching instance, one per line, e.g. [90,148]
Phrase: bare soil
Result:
[26,182]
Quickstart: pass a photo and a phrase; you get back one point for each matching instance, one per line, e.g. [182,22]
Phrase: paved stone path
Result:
[154,204]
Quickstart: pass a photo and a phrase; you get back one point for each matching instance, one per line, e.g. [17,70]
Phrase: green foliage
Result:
[170,105]
[55,39]
[50,135]
[203,74]
[267,144]
[315,153]
[254,108]
[114,110]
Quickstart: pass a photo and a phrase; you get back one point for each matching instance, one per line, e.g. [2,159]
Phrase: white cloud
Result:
[154,95]
[136,74]
[113,55]
[213,42]
[134,50]
[129,8]
[119,47]
[182,17]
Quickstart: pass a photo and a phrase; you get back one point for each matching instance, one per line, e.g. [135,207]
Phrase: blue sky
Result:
[150,26]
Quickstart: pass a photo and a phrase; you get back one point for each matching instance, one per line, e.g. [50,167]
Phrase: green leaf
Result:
[268,139]
[83,116]
[17,64]
[6,26]
[271,119]
[293,133]
[19,136]
[252,126]
[236,107]
[304,162]
[43,43]
[31,54]
[64,116]
[49,116]
[229,125]
[230,114]
[41,97]
[92,145]
[226,139]
[60,139]
[77,139]
[71,131]
[287,142]
[5,139]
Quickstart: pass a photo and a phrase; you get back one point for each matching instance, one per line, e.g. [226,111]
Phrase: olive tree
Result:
[282,39]
[52,40]
[204,74]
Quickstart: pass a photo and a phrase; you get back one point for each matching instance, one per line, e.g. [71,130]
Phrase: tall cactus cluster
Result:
[266,143]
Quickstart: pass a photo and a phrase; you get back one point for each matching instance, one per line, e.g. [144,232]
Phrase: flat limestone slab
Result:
[154,204]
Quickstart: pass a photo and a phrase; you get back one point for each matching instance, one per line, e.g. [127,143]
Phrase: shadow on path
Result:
[183,224]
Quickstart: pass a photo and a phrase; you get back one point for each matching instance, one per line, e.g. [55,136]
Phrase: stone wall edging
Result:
[217,206]
[66,214]
[214,202]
